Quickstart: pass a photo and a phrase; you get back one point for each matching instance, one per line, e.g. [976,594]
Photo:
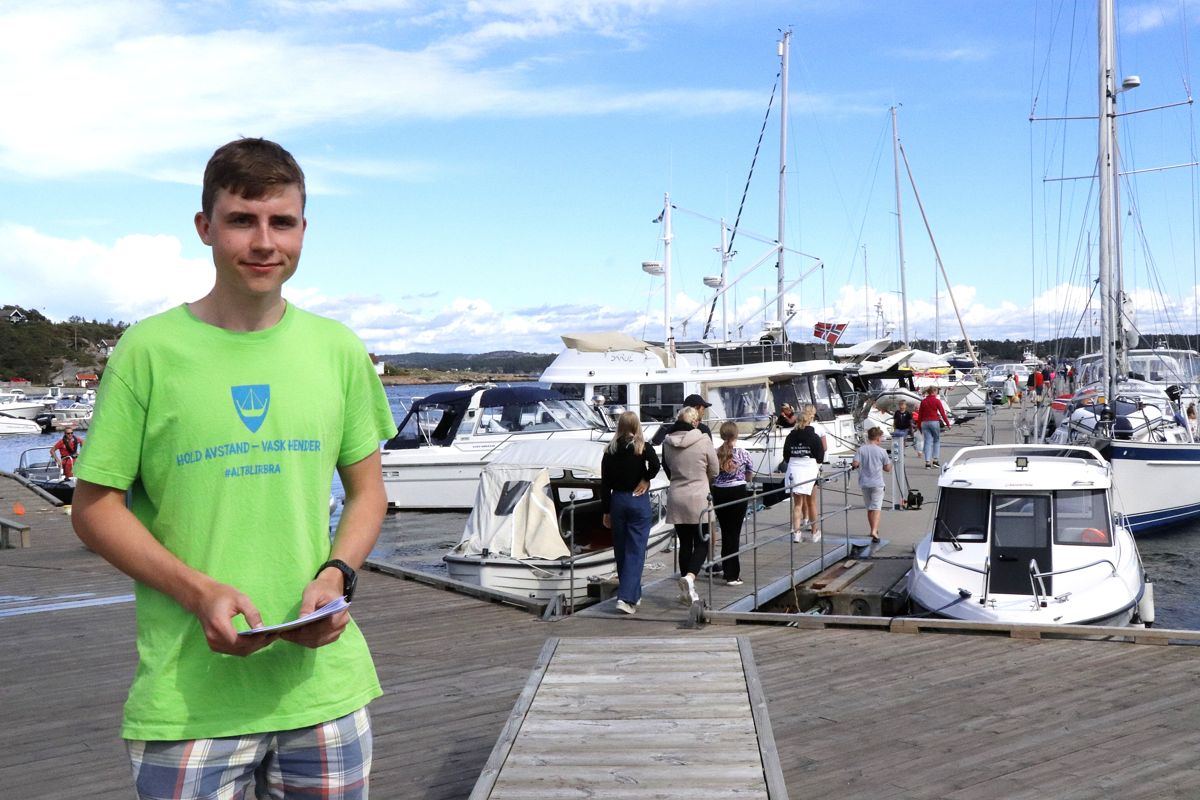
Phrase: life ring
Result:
[1093,536]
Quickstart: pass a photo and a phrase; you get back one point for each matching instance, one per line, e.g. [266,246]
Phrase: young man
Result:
[224,420]
[871,461]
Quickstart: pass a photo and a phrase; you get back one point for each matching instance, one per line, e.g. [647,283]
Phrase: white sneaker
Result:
[625,608]
[735,582]
[685,595]
[797,537]
[691,587]
[816,534]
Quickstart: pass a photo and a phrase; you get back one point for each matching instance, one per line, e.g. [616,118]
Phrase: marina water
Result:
[1171,557]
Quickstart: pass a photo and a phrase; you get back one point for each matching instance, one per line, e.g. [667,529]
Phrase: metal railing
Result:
[755,507]
[1037,584]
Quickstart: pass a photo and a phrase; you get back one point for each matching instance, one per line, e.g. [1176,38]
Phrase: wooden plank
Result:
[487,778]
[768,753]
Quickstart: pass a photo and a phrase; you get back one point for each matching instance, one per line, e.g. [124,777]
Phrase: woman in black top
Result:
[626,469]
[804,451]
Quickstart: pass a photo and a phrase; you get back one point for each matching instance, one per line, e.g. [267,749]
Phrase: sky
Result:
[486,174]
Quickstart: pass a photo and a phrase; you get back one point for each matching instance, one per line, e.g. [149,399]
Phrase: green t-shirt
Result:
[228,443]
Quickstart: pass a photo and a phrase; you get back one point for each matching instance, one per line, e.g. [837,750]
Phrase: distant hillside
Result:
[497,361]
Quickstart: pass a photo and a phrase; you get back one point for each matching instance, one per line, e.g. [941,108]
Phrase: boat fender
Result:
[1145,608]
[1093,536]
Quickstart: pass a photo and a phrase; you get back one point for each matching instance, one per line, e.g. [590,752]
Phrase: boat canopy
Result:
[610,340]
[513,516]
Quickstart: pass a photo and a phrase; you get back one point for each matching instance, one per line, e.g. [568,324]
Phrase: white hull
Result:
[1156,484]
[18,425]
[542,580]
[22,410]
[443,487]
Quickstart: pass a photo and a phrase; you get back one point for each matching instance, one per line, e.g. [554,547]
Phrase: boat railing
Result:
[566,522]
[1037,578]
[755,507]
[986,571]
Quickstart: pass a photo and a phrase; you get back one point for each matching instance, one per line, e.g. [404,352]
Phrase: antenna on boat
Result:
[664,269]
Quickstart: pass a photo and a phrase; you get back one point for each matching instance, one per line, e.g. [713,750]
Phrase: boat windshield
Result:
[1080,517]
[439,424]
[1165,366]
[541,416]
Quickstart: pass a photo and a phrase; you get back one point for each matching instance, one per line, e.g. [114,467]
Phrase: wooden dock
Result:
[630,718]
[856,713]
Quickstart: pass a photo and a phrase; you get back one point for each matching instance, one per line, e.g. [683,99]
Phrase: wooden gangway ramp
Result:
[626,718]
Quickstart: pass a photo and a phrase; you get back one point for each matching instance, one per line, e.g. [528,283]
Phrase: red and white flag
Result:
[829,331]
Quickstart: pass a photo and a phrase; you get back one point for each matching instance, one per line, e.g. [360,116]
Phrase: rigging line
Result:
[745,191]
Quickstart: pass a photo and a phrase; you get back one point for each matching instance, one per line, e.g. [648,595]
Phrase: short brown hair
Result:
[251,168]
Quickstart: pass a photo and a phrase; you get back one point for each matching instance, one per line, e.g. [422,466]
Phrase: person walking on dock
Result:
[933,417]
[225,419]
[871,461]
[731,496]
[1010,389]
[804,450]
[626,469]
[690,462]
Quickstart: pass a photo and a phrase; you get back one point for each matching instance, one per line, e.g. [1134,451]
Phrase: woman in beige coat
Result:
[690,461]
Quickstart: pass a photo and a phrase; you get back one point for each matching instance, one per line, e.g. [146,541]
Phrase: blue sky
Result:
[483,174]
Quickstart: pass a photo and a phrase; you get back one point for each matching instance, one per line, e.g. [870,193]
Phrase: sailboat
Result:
[743,381]
[1131,422]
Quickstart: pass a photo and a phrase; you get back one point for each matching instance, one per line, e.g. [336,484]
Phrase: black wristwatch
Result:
[349,576]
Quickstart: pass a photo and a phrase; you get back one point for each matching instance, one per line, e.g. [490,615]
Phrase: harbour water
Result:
[1171,558]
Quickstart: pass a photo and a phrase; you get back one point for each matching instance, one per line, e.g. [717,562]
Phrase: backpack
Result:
[915,499]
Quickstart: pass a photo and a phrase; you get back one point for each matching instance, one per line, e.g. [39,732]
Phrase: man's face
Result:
[255,243]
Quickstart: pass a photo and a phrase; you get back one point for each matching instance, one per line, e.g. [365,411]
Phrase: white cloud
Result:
[130,85]
[127,279]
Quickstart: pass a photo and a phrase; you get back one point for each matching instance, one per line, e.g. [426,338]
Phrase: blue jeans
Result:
[630,517]
[931,432]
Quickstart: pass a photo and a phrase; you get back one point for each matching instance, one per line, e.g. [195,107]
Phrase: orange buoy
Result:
[1093,535]
[19,509]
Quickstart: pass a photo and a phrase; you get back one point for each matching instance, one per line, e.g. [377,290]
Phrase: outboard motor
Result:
[46,422]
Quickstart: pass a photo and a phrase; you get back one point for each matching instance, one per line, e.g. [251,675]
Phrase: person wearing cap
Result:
[691,401]
[66,450]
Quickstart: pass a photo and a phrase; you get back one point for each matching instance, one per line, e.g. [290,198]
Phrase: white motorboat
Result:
[38,466]
[1027,534]
[17,404]
[536,530]
[435,458]
[12,424]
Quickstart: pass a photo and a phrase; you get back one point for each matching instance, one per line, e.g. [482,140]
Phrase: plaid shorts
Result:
[331,761]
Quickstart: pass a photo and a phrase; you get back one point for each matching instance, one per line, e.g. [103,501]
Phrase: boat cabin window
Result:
[962,515]
[426,425]
[616,397]
[824,398]
[1021,520]
[749,405]
[570,391]
[1081,517]
[660,402]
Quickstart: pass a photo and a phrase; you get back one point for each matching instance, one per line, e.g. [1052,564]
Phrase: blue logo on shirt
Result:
[251,403]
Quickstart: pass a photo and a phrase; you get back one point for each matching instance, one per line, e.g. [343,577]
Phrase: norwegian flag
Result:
[829,331]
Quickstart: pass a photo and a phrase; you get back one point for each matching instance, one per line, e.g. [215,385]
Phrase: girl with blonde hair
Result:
[804,450]
[691,464]
[626,470]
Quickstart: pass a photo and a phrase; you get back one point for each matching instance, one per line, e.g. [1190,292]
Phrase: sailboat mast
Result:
[784,46]
[668,235]
[1107,200]
[899,226]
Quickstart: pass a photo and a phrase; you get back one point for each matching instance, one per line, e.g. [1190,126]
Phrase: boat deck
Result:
[855,713]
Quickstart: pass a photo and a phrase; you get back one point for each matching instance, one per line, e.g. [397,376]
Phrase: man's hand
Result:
[216,608]
[325,588]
